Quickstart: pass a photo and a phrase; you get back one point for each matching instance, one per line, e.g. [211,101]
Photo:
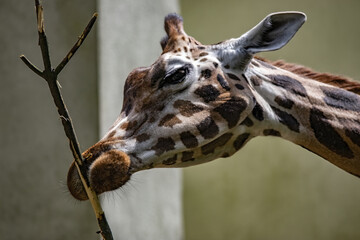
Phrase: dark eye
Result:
[175,77]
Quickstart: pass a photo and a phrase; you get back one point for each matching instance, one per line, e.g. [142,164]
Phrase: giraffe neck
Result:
[319,117]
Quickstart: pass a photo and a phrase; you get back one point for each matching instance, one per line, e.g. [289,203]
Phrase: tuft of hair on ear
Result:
[173,25]
[164,41]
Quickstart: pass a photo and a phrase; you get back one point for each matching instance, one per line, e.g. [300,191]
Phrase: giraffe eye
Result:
[175,77]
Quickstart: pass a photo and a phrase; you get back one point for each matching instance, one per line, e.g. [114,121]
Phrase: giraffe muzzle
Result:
[107,170]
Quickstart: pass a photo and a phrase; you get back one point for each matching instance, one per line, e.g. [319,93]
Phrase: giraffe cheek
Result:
[109,171]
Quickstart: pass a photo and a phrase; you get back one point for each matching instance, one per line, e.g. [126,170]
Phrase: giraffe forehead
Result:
[180,42]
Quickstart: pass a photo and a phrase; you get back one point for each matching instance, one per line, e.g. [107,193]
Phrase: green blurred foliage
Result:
[273,189]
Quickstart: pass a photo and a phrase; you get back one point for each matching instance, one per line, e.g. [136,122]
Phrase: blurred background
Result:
[271,189]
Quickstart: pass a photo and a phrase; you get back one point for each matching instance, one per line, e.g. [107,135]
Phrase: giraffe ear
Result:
[273,32]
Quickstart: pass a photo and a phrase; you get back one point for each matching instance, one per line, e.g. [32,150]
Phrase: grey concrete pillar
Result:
[150,207]
[34,202]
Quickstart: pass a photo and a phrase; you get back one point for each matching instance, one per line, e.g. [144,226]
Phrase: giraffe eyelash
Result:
[175,76]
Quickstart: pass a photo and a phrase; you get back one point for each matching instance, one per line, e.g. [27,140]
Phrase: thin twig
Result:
[50,75]
[42,37]
[77,44]
[31,66]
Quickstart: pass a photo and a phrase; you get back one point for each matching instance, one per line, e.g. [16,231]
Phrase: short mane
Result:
[335,80]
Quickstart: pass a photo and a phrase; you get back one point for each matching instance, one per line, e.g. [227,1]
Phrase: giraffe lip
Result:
[106,171]
[110,171]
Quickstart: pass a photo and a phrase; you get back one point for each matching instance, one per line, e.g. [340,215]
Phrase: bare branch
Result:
[51,76]
[42,37]
[77,44]
[31,66]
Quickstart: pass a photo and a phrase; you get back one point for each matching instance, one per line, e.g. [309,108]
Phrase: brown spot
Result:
[231,110]
[128,108]
[206,73]
[287,119]
[188,139]
[341,99]
[233,76]
[202,54]
[241,140]
[271,132]
[208,93]
[255,80]
[124,125]
[112,134]
[327,135]
[170,161]
[142,137]
[239,86]
[183,38]
[218,142]
[169,121]
[223,82]
[187,108]
[203,60]
[132,125]
[163,145]
[258,112]
[284,102]
[354,135]
[215,64]
[187,156]
[185,49]
[208,128]
[247,122]
[288,83]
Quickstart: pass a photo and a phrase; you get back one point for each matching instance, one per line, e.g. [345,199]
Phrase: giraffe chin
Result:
[107,172]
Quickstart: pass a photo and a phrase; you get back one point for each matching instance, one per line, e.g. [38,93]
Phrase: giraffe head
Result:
[188,107]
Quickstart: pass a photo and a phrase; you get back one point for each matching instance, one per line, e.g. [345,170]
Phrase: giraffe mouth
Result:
[107,170]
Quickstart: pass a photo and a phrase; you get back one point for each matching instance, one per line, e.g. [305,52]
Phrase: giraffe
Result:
[197,103]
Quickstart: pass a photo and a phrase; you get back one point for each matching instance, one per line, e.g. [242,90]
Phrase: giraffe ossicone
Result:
[197,103]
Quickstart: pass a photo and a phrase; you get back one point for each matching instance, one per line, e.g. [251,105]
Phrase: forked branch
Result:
[51,75]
